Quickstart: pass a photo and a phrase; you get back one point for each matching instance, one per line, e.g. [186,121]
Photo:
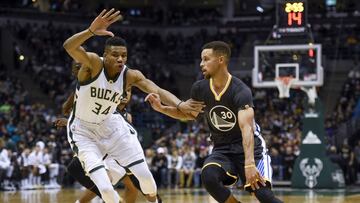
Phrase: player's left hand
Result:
[60,122]
[254,178]
[103,21]
[191,105]
[154,100]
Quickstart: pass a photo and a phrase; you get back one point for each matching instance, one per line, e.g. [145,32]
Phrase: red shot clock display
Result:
[291,17]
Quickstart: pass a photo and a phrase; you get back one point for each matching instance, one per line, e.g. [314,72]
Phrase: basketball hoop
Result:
[283,84]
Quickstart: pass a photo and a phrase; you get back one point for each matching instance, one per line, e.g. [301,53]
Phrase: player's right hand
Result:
[103,21]
[253,178]
[154,100]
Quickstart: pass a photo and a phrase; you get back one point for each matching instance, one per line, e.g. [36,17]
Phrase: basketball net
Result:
[283,84]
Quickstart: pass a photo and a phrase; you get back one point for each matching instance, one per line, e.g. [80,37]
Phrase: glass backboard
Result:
[302,62]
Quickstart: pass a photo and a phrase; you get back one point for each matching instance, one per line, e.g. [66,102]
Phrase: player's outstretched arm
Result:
[173,112]
[246,123]
[98,27]
[140,81]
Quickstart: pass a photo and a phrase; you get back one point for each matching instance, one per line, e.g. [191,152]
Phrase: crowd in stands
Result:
[344,38]
[346,154]
[177,155]
[162,14]
[349,97]
[32,151]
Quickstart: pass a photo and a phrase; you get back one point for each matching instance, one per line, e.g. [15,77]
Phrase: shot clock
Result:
[291,17]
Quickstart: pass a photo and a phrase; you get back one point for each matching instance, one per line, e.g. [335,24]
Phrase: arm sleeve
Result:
[243,99]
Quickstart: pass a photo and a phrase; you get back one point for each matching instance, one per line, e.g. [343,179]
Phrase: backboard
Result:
[302,62]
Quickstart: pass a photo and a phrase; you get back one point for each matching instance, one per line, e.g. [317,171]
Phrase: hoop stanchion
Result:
[311,93]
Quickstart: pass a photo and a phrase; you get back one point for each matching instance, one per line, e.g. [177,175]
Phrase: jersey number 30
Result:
[98,109]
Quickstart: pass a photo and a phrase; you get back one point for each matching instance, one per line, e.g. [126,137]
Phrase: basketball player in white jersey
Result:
[116,173]
[93,128]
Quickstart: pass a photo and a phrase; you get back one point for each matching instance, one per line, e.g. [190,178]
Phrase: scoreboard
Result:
[291,18]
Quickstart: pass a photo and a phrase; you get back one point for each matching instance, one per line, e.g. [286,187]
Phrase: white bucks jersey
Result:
[98,98]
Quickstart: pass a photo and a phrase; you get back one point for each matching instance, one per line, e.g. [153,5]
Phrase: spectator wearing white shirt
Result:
[52,168]
[36,161]
[174,165]
[4,159]
[5,168]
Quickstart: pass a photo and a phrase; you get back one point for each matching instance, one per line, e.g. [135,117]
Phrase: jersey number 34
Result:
[98,109]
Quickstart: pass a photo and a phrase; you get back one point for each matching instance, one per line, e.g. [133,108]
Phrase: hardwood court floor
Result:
[188,196]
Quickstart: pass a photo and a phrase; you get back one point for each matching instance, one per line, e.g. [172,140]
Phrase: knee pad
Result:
[148,184]
[208,176]
[145,178]
[211,177]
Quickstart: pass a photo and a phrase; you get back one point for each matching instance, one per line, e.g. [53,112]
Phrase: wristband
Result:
[249,166]
[177,106]
[91,32]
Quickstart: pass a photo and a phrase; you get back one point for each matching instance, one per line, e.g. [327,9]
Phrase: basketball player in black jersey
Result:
[239,150]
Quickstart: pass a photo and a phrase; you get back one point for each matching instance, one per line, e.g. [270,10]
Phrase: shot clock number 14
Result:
[295,12]
[291,17]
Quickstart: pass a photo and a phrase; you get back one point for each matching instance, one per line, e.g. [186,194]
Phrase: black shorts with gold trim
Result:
[233,165]
[223,161]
